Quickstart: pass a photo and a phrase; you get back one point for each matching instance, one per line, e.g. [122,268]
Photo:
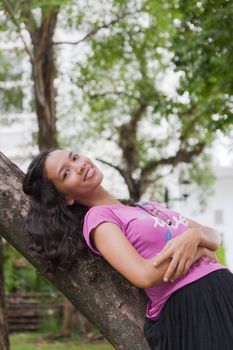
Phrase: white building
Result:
[219,210]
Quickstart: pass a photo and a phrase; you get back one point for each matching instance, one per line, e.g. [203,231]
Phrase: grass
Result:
[40,341]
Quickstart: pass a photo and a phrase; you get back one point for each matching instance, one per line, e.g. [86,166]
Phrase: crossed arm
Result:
[171,263]
[182,249]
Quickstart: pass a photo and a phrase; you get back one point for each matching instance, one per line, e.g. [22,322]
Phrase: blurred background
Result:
[145,88]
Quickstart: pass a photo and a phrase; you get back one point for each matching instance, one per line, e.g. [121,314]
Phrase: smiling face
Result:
[74,175]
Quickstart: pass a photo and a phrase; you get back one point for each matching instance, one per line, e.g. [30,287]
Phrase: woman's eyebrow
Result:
[63,166]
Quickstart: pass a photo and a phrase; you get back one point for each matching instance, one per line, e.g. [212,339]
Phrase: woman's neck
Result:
[102,197]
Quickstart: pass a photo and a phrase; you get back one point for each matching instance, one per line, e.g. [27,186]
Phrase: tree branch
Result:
[192,122]
[46,32]
[14,20]
[113,304]
[119,93]
[181,156]
[121,171]
[127,178]
[147,182]
[127,136]
[93,31]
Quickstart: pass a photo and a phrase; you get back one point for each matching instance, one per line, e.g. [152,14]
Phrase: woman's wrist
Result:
[196,234]
[209,238]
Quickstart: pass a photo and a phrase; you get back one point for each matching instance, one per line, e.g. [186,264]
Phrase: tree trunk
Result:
[115,307]
[43,72]
[4,339]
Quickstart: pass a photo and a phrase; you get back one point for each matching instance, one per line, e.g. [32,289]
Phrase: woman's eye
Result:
[75,157]
[66,173]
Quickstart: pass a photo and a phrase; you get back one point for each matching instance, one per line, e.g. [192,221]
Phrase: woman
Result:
[190,294]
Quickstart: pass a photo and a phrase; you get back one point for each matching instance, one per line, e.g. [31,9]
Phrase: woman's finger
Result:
[187,267]
[165,248]
[161,257]
[171,269]
[210,254]
[179,270]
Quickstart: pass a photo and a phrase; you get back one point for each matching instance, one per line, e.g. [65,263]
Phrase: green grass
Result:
[39,341]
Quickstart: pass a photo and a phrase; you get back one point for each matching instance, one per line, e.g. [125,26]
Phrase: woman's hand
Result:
[201,251]
[209,237]
[181,250]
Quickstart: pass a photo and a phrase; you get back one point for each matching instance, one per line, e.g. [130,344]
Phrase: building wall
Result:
[219,210]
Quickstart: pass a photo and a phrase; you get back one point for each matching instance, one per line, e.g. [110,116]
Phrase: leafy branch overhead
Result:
[151,77]
[123,86]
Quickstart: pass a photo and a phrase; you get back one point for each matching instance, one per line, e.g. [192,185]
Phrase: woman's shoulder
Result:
[98,210]
[96,216]
[100,213]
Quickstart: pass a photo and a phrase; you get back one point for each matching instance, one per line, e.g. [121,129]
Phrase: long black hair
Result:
[54,228]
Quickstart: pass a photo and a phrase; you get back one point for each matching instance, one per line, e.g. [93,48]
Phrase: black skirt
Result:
[199,316]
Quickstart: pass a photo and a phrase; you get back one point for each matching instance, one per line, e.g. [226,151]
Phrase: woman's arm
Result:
[181,250]
[158,279]
[208,237]
[111,242]
[119,252]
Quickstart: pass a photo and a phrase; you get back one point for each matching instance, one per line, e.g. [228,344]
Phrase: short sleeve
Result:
[93,218]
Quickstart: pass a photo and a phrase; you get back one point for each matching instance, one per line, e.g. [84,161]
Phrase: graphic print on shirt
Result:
[175,221]
[168,236]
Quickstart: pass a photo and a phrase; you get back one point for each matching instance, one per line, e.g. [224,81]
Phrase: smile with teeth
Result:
[90,172]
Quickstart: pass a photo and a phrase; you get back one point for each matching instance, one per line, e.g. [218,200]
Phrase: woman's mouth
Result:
[89,173]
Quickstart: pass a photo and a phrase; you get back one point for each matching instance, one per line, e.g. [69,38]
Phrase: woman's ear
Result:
[69,201]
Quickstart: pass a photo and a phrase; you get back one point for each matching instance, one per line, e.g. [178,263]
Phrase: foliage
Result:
[11,71]
[20,276]
[221,255]
[50,324]
[116,85]
[122,82]
[200,173]
[204,47]
[203,52]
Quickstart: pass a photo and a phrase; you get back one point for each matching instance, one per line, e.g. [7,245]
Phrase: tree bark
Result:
[4,339]
[116,307]
[43,74]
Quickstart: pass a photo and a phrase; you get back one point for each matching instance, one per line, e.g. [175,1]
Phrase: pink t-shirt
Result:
[148,234]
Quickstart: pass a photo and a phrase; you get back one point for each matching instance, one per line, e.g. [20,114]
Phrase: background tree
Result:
[35,23]
[123,84]
[40,29]
[203,50]
[116,80]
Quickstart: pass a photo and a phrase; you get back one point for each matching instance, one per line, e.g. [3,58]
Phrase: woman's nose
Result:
[80,167]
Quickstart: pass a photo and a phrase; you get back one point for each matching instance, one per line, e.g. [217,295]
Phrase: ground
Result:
[38,341]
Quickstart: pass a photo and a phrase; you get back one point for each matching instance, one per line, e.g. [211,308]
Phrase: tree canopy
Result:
[151,78]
